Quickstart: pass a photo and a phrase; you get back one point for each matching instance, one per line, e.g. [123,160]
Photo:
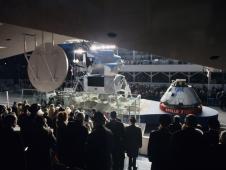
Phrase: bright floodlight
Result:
[79,51]
[102,47]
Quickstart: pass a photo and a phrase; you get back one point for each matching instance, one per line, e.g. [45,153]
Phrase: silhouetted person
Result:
[47,117]
[11,148]
[23,116]
[133,141]
[176,125]
[26,122]
[118,131]
[88,123]
[41,143]
[187,146]
[72,116]
[221,152]
[61,135]
[211,136]
[222,100]
[99,145]
[52,110]
[159,145]
[3,113]
[76,137]
[14,107]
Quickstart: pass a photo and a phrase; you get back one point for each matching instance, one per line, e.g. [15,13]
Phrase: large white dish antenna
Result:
[47,67]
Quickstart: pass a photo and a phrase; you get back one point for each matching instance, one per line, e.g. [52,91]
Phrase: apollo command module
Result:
[180,98]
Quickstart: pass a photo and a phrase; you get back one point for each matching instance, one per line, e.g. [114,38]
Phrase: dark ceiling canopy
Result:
[192,30]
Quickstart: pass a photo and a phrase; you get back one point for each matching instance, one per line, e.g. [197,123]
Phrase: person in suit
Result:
[76,136]
[176,125]
[118,130]
[11,147]
[159,144]
[187,146]
[42,141]
[133,141]
[211,143]
[221,151]
[61,136]
[99,145]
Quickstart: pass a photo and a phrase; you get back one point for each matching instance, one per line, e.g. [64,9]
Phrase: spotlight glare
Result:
[102,47]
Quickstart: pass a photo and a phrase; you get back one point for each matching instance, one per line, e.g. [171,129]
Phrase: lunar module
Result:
[103,75]
[180,98]
[103,88]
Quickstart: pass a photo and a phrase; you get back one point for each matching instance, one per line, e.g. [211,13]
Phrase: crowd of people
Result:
[147,91]
[187,147]
[53,138]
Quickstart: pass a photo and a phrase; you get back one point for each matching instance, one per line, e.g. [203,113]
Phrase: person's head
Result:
[177,119]
[61,109]
[9,109]
[2,109]
[93,111]
[113,115]
[72,107]
[52,107]
[20,106]
[79,117]
[72,115]
[62,117]
[132,120]
[223,137]
[98,119]
[214,124]
[165,120]
[68,110]
[34,108]
[191,121]
[10,121]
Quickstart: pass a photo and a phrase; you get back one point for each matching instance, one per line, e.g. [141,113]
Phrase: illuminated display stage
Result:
[150,112]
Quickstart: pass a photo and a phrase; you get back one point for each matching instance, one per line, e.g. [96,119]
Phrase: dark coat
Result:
[62,142]
[118,131]
[118,153]
[11,150]
[133,140]
[76,136]
[211,137]
[175,127]
[159,149]
[99,149]
[187,150]
[220,157]
[41,141]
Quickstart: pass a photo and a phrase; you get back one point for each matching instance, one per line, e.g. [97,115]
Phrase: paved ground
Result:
[142,163]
